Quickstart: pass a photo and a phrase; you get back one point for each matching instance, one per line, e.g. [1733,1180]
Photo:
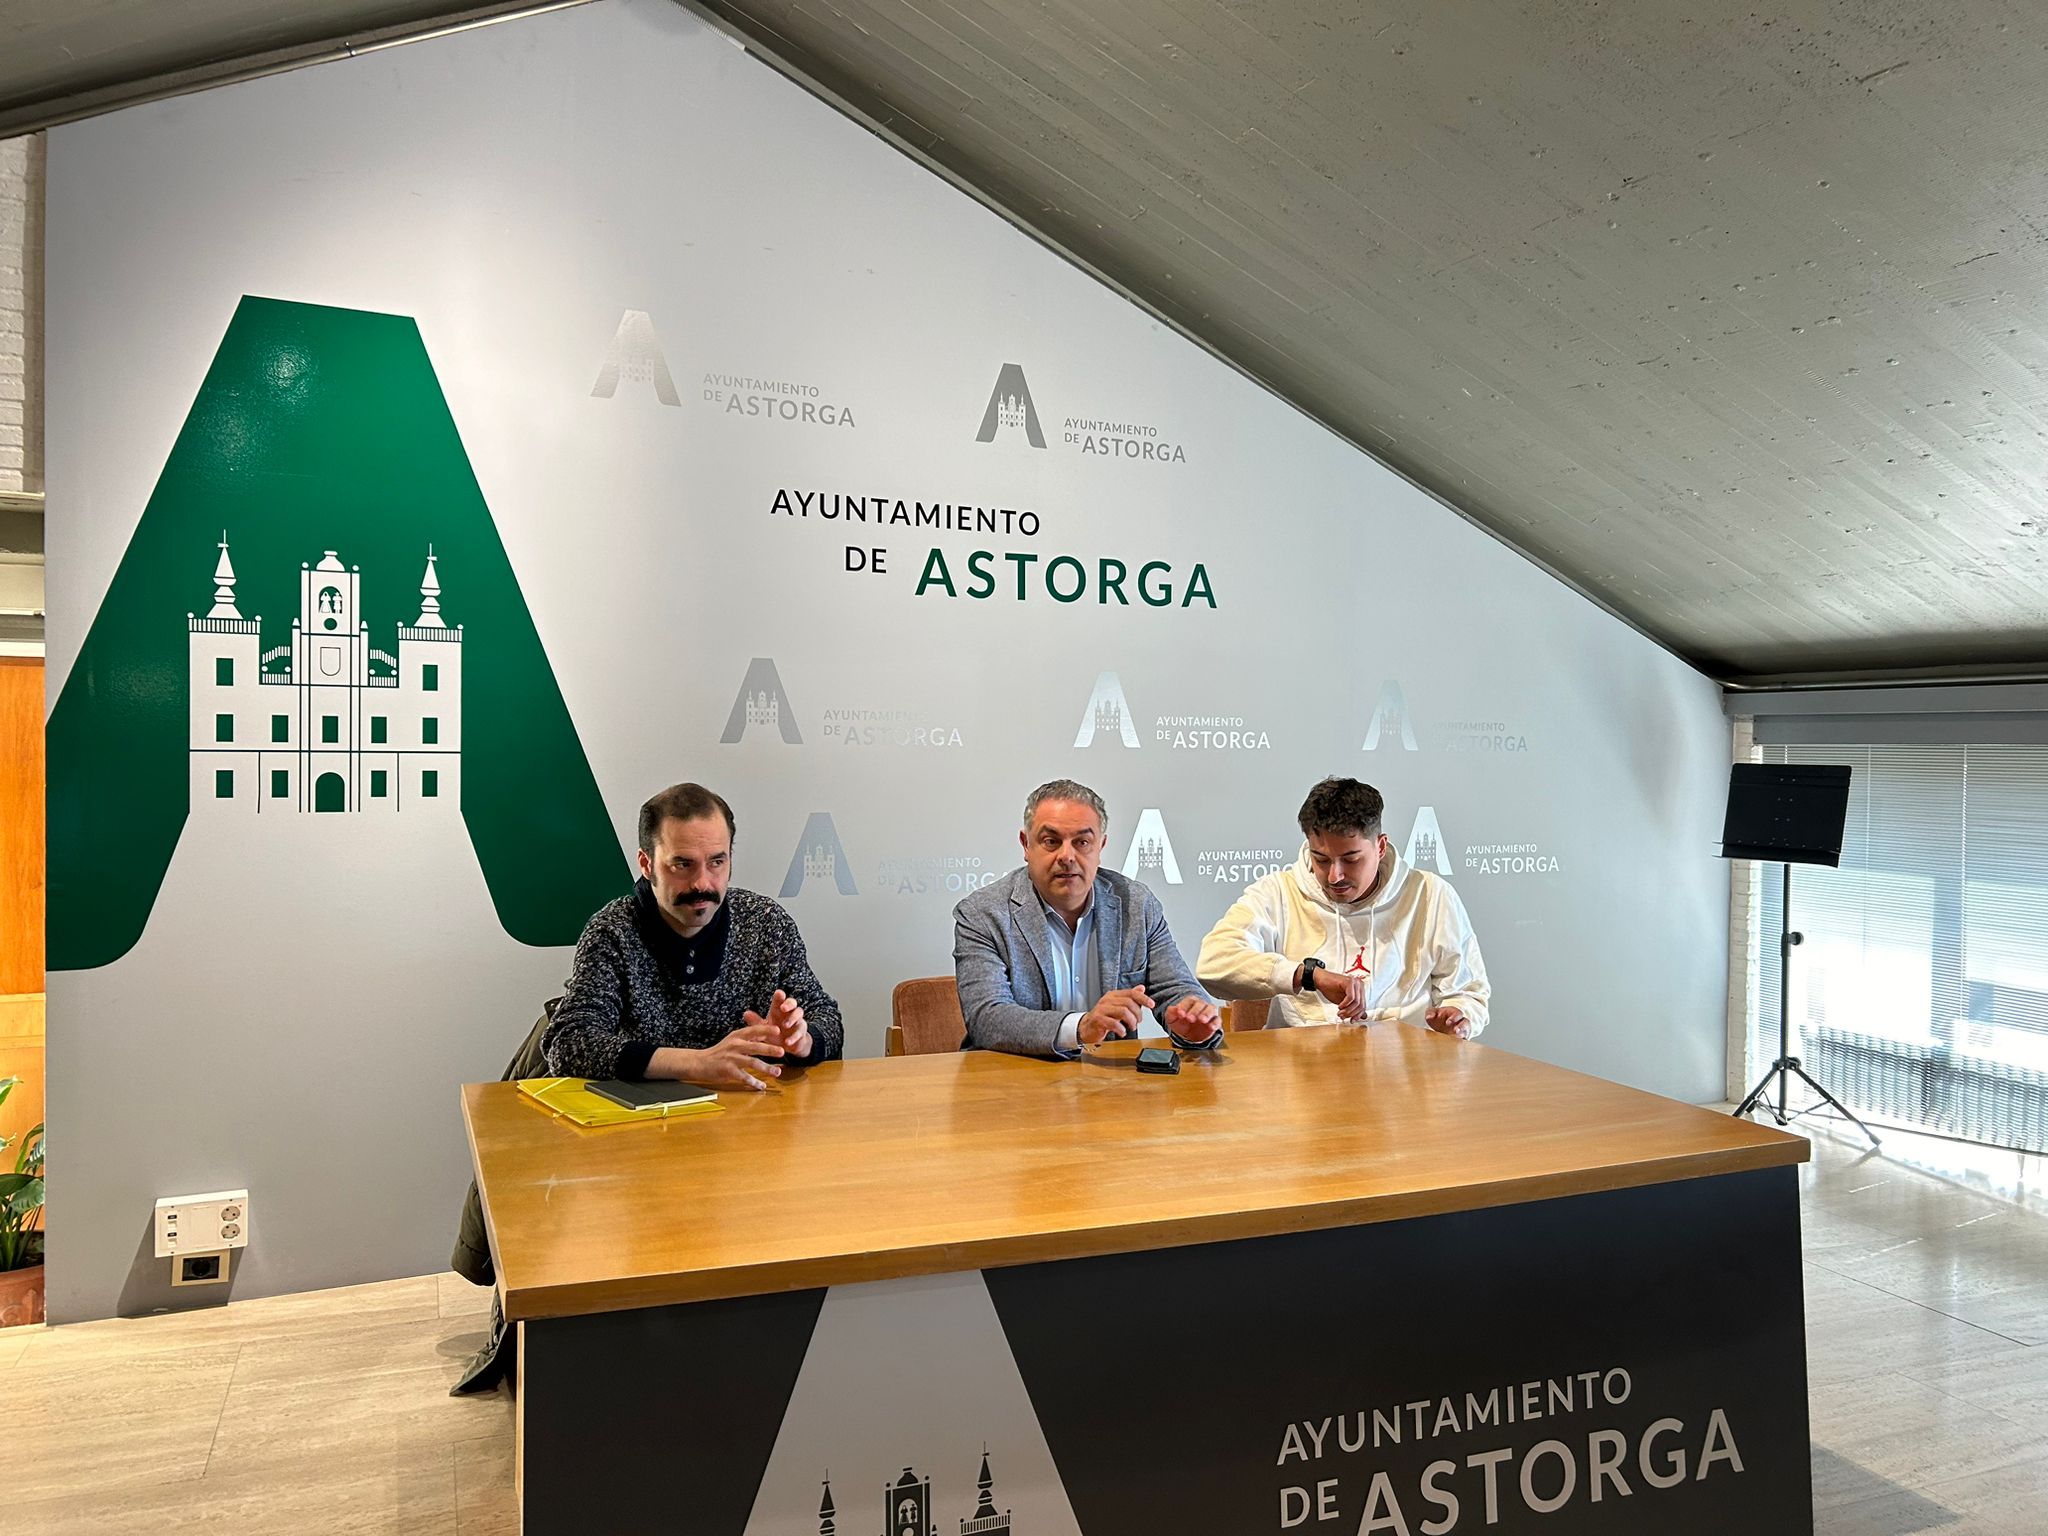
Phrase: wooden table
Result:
[1311,1224]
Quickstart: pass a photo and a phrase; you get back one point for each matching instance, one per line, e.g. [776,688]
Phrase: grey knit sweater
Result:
[628,994]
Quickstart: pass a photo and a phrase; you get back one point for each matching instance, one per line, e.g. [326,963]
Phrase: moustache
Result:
[691,898]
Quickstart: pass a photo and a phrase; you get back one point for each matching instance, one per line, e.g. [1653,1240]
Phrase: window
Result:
[1920,994]
[378,781]
[280,783]
[330,728]
[280,727]
[224,671]
[430,731]
[430,678]
[377,730]
[430,783]
[223,783]
[223,727]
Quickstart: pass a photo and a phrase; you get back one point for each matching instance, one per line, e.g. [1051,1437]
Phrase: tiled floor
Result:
[1927,1314]
[1927,1336]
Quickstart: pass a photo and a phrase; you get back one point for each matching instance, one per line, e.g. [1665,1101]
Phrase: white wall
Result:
[313,996]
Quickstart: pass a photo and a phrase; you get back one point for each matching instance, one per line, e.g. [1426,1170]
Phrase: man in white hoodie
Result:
[1348,932]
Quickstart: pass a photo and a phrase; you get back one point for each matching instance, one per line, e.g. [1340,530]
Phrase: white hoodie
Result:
[1412,938]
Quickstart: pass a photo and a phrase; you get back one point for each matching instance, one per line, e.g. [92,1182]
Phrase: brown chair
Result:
[1240,1016]
[925,1017]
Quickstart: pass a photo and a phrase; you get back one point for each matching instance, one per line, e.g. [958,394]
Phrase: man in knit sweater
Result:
[691,978]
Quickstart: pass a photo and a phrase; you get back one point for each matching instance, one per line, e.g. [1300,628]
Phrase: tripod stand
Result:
[1787,1065]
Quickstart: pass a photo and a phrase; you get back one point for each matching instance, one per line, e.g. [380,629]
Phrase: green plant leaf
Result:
[7,1087]
[12,1184]
[30,1158]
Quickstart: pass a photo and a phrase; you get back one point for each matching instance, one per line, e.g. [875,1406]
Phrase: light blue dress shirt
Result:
[1076,970]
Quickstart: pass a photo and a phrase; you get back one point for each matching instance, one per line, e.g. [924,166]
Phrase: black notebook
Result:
[652,1095]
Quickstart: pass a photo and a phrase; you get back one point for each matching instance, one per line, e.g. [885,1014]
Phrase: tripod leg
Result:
[1844,1110]
[1758,1095]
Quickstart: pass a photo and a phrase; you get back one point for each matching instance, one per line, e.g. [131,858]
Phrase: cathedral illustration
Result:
[907,1508]
[324,721]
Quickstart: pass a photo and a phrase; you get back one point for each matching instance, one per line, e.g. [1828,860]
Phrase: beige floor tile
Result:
[2008,1501]
[14,1343]
[1852,1336]
[2020,1314]
[2000,1252]
[1909,1434]
[385,1387]
[372,1491]
[2013,1384]
[101,1422]
[2011,1500]
[311,1315]
[484,1504]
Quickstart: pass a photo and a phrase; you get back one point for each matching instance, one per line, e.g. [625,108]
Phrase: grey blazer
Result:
[1003,964]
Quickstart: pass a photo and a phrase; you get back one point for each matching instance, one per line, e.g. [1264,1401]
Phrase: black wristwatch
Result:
[1308,975]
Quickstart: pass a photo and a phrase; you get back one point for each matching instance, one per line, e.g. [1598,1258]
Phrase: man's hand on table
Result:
[1193,1019]
[1449,1021]
[1345,991]
[746,1058]
[1113,1018]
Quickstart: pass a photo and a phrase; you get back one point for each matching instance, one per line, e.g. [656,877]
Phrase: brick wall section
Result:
[22,166]
[1742,958]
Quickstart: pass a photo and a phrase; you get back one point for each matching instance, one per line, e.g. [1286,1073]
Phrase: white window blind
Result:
[1921,992]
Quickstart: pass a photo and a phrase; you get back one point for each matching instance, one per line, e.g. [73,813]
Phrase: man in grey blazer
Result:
[1062,953]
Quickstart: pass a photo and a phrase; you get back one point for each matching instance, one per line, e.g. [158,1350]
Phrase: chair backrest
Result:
[1241,1016]
[925,1017]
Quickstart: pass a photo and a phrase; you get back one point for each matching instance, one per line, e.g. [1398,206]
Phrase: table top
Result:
[910,1165]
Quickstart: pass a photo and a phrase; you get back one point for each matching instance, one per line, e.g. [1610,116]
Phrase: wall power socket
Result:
[211,1223]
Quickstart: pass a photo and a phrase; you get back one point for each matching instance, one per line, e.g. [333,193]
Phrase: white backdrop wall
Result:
[568,206]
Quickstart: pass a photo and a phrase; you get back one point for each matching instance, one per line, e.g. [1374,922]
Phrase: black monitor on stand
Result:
[1790,813]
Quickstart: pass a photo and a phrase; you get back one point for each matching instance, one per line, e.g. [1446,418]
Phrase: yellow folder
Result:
[571,1098]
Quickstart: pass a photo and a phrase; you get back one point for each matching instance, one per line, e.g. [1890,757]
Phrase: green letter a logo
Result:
[316,430]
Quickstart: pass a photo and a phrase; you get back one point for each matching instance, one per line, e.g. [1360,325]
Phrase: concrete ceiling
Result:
[65,58]
[1731,314]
